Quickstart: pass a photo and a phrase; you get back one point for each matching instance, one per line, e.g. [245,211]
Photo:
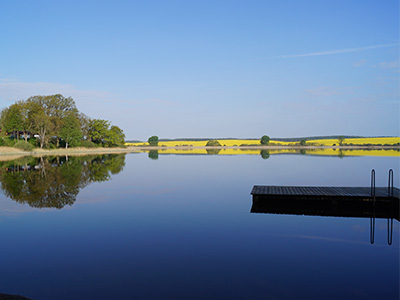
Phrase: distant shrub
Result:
[24,146]
[34,142]
[50,146]
[9,142]
[213,143]
[88,144]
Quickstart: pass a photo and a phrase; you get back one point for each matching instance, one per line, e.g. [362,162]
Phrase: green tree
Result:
[153,140]
[39,122]
[303,142]
[58,108]
[264,140]
[12,120]
[98,130]
[70,131]
[55,108]
[341,140]
[115,136]
[84,120]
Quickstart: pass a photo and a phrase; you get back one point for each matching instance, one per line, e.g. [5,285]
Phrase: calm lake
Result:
[140,226]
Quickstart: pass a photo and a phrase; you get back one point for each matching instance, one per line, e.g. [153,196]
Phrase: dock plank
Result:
[321,191]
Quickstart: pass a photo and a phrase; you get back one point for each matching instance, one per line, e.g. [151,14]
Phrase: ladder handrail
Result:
[390,183]
[390,232]
[372,182]
[372,230]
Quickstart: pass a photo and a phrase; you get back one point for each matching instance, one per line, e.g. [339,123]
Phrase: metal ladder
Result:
[372,219]
[390,194]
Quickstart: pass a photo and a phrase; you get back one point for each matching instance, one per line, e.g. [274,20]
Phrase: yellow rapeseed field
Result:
[359,141]
[234,142]
[227,143]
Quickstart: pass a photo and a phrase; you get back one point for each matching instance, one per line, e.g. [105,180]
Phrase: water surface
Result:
[180,227]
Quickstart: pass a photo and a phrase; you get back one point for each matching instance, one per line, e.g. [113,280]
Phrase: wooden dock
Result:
[326,201]
[355,193]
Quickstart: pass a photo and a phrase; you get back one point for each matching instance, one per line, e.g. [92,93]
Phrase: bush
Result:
[50,146]
[213,143]
[88,144]
[9,142]
[24,146]
[34,142]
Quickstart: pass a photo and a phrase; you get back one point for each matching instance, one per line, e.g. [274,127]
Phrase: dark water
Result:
[180,227]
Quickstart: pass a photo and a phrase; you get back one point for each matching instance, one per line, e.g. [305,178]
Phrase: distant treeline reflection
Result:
[55,181]
[267,153]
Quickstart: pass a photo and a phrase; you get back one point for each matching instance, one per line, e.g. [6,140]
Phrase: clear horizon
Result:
[199,69]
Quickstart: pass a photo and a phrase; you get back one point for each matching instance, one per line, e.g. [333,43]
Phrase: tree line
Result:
[54,121]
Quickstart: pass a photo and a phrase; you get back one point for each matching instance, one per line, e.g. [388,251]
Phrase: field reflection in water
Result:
[180,227]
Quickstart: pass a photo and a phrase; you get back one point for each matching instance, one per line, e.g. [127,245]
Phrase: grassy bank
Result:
[7,152]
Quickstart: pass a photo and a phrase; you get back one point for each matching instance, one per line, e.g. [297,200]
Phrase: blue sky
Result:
[210,68]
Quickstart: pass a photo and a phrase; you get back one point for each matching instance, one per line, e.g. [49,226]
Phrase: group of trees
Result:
[54,121]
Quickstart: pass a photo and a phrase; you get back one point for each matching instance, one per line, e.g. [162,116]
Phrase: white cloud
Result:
[359,63]
[395,64]
[338,51]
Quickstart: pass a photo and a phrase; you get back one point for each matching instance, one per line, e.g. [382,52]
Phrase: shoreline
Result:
[371,147]
[9,151]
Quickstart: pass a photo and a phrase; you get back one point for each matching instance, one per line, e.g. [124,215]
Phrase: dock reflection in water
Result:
[330,206]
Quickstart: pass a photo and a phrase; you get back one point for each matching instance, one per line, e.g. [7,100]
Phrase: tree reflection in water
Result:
[55,181]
